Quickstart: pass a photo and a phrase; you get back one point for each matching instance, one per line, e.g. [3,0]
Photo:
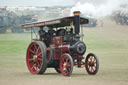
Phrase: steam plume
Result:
[98,9]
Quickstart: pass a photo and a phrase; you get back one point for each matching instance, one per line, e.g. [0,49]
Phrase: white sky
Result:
[55,2]
[36,2]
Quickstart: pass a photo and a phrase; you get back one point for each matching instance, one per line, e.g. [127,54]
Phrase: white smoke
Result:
[103,9]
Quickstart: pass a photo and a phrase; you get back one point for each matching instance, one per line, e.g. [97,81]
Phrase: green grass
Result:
[110,45]
[13,47]
[97,41]
[13,50]
[12,53]
[107,50]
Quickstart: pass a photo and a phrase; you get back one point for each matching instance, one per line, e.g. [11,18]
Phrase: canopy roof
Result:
[62,22]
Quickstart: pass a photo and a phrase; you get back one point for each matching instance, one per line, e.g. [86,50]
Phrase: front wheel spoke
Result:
[63,62]
[65,71]
[89,68]
[68,69]
[68,65]
[93,58]
[95,64]
[92,70]
[90,58]
[87,62]
[67,60]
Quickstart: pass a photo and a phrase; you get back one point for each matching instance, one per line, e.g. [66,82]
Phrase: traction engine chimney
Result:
[77,21]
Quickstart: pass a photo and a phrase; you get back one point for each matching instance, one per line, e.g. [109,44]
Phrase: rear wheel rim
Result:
[65,65]
[34,58]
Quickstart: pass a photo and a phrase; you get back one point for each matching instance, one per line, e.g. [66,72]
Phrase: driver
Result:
[51,32]
[61,32]
[41,33]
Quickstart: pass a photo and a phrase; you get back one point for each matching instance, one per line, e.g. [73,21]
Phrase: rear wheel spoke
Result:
[30,59]
[39,59]
[37,50]
[33,67]
[32,51]
[38,54]
[38,64]
[35,46]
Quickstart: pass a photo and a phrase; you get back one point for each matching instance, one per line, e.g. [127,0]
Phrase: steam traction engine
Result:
[60,47]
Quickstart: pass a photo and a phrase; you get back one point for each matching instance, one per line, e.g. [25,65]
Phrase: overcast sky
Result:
[46,2]
[36,2]
[54,2]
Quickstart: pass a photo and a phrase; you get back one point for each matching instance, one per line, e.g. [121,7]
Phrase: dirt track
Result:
[113,58]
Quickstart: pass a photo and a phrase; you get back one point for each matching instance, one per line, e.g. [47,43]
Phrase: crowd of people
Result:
[121,16]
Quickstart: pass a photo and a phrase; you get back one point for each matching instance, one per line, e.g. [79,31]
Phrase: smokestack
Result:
[77,21]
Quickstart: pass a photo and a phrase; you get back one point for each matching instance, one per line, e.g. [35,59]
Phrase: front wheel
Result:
[92,64]
[66,64]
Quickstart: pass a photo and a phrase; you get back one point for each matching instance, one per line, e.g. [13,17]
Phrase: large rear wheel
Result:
[36,56]
[66,64]
[92,64]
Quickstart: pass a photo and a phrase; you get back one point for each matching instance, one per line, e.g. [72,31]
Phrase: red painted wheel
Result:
[35,58]
[92,64]
[66,64]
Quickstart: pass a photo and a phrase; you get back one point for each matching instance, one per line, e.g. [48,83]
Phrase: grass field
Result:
[109,43]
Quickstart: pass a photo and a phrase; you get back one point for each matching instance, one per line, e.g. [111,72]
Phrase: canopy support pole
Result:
[31,34]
